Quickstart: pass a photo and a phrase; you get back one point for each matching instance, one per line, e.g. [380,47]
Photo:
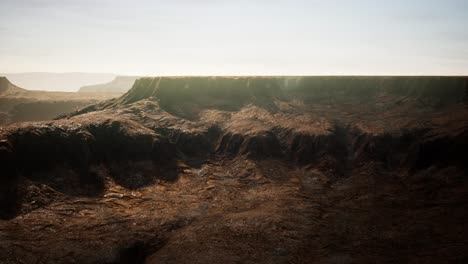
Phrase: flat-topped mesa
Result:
[223,92]
[437,89]
[237,91]
[232,93]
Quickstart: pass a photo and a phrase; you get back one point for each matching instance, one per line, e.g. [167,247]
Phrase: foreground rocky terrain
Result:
[244,170]
[18,104]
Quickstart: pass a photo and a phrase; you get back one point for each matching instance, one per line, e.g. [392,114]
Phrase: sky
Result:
[208,37]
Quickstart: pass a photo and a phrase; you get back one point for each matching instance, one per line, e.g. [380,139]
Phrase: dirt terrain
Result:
[18,104]
[244,170]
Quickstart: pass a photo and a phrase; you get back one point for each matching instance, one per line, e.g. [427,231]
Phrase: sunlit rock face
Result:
[244,169]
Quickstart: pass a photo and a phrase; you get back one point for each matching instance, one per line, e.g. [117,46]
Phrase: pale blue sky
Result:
[208,37]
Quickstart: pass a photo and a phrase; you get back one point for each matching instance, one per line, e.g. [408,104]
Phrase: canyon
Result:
[247,169]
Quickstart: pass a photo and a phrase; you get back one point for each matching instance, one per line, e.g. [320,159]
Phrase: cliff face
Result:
[172,90]
[299,168]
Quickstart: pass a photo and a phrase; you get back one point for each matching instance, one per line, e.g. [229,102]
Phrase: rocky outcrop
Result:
[78,148]
[264,144]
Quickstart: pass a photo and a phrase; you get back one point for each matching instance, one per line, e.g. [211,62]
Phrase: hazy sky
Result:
[208,37]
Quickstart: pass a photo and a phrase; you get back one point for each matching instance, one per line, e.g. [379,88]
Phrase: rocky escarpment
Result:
[234,92]
[291,165]
[184,96]
[259,115]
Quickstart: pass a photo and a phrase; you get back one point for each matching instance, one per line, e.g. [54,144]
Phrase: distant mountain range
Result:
[67,82]
[121,84]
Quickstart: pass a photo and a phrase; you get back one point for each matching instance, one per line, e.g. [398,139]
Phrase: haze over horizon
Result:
[235,38]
